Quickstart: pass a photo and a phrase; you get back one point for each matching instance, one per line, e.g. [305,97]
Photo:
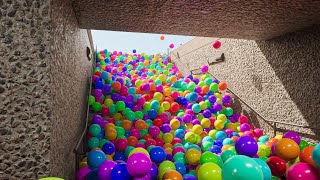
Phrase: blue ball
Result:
[157,154]
[152,114]
[193,97]
[95,158]
[221,135]
[99,85]
[119,156]
[179,133]
[120,171]
[104,75]
[180,167]
[215,149]
[218,143]
[108,148]
[134,51]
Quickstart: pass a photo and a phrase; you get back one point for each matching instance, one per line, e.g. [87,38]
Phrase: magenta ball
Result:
[146,177]
[104,170]
[171,46]
[292,135]
[244,127]
[121,144]
[204,68]
[154,131]
[257,132]
[301,171]
[216,44]
[139,165]
[82,173]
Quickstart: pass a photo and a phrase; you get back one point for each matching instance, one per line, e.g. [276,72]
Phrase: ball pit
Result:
[150,122]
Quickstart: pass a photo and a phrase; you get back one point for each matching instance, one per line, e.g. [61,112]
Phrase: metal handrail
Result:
[76,150]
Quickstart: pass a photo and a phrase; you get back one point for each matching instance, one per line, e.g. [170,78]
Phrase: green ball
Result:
[241,167]
[143,132]
[191,86]
[120,131]
[94,129]
[128,150]
[225,155]
[93,142]
[233,149]
[180,157]
[139,114]
[112,109]
[120,106]
[303,144]
[263,158]
[208,81]
[201,84]
[214,87]
[263,139]
[209,171]
[92,100]
[263,150]
[131,116]
[143,141]
[206,145]
[228,111]
[96,106]
[207,157]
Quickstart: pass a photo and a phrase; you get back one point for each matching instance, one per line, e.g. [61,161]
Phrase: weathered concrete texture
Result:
[251,19]
[70,69]
[43,80]
[25,91]
[278,78]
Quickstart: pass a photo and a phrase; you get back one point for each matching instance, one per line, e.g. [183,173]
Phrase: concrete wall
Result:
[43,82]
[279,78]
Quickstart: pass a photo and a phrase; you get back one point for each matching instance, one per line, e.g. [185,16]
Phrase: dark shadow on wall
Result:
[295,58]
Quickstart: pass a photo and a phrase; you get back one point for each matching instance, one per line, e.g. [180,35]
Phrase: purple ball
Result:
[82,173]
[153,171]
[97,93]
[189,106]
[226,98]
[195,121]
[196,80]
[107,88]
[206,113]
[97,119]
[139,164]
[104,170]
[244,127]
[212,99]
[215,81]
[165,128]
[217,107]
[186,118]
[197,89]
[246,145]
[292,135]
[169,157]
[189,178]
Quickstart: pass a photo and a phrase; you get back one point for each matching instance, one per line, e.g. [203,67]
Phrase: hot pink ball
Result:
[243,119]
[177,150]
[257,132]
[154,131]
[82,173]
[139,144]
[244,127]
[138,165]
[150,142]
[175,141]
[171,46]
[248,133]
[216,44]
[174,94]
[204,68]
[135,133]
[301,171]
[121,144]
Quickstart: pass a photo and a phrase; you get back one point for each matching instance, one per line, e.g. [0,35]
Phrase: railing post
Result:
[274,129]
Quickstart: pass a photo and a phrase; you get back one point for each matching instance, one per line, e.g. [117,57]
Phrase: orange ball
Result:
[173,79]
[132,141]
[271,142]
[222,86]
[306,155]
[161,38]
[140,124]
[116,85]
[172,175]
[167,145]
[126,124]
[234,138]
[147,136]
[287,149]
[225,147]
[111,134]
[205,89]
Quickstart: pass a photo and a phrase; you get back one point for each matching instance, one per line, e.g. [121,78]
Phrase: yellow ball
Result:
[197,129]
[218,124]
[190,137]
[174,124]
[117,116]
[203,105]
[135,150]
[157,96]
[160,110]
[222,117]
[213,133]
[167,92]
[167,137]
[205,123]
[279,136]
[162,77]
[231,126]
[108,102]
[189,126]
[198,139]
[138,83]
[218,95]
[193,156]
[165,105]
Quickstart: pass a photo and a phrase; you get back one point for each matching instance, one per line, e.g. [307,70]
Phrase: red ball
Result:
[159,142]
[216,44]
[175,107]
[277,166]
[157,122]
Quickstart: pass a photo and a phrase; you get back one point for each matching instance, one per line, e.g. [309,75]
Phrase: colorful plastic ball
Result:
[221,135]
[193,156]
[215,149]
[180,167]
[172,175]
[277,166]
[138,164]
[263,150]
[120,171]
[265,169]
[207,157]
[196,108]
[292,135]
[157,154]
[96,158]
[287,149]
[121,144]
[108,148]
[306,155]
[161,38]
[209,171]
[171,46]
[316,155]
[93,142]
[303,144]
[246,145]
[241,168]
[134,51]
[225,155]
[96,106]
[204,68]
[104,170]
[82,173]
[180,157]
[139,149]
[218,124]
[216,44]
[300,171]
[164,166]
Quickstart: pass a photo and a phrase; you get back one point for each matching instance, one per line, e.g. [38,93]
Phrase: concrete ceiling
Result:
[243,19]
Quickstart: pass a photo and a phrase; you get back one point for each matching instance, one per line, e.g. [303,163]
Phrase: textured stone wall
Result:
[25,90]
[70,69]
[43,83]
[279,78]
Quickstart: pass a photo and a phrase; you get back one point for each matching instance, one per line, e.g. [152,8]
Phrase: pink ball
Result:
[175,94]
[177,150]
[257,132]
[121,144]
[216,44]
[141,101]
[159,88]
[244,127]
[171,46]
[243,119]
[154,131]
[150,142]
[176,140]
[82,173]
[301,171]
[204,68]
[248,133]
[135,133]
[138,165]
